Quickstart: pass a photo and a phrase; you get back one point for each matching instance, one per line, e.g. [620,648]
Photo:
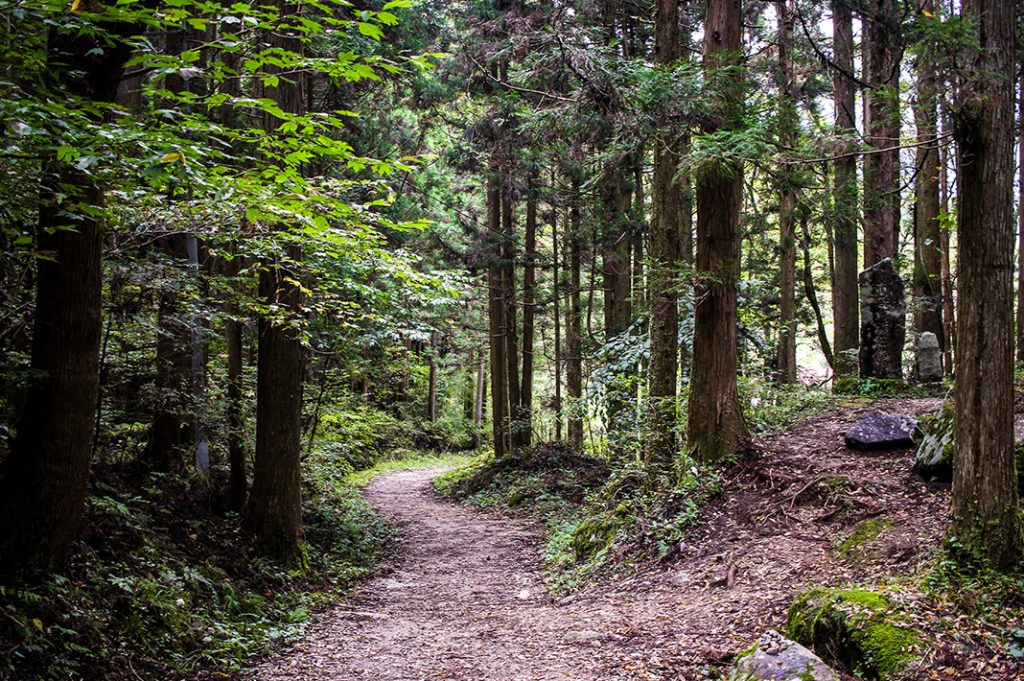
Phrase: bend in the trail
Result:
[467,599]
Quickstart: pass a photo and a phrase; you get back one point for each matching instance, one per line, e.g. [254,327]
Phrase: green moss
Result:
[855,627]
[864,532]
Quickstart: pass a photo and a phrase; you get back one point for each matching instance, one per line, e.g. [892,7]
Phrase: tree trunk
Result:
[1020,227]
[845,305]
[785,357]
[496,322]
[478,402]
[529,309]
[556,294]
[574,324]
[948,312]
[520,436]
[660,445]
[715,419]
[237,482]
[432,382]
[881,168]
[984,518]
[169,431]
[927,282]
[44,478]
[274,511]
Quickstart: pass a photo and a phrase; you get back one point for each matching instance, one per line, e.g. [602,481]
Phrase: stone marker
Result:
[877,430]
[929,358]
[775,658]
[883,315]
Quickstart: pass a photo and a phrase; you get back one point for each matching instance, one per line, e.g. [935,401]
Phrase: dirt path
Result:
[467,600]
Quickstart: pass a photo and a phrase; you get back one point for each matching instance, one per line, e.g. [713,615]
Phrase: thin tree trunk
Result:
[660,445]
[1020,226]
[948,313]
[529,309]
[432,382]
[519,435]
[715,419]
[556,287]
[984,515]
[237,482]
[785,358]
[478,402]
[812,296]
[927,283]
[574,323]
[496,321]
[169,431]
[845,304]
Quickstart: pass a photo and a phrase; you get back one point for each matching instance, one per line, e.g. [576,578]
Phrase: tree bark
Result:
[496,322]
[927,282]
[274,510]
[1020,226]
[785,357]
[556,292]
[881,168]
[845,304]
[44,478]
[169,432]
[660,445]
[574,323]
[529,307]
[984,518]
[715,419]
[237,479]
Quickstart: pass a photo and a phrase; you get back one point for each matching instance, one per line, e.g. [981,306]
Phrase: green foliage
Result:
[162,593]
[769,408]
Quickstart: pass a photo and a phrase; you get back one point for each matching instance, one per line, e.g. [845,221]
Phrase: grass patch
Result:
[406,460]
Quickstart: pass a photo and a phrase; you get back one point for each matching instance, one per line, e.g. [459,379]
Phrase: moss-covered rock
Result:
[863,533]
[935,448]
[854,627]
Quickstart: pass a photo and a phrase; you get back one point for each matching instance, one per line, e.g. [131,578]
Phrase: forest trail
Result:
[467,599]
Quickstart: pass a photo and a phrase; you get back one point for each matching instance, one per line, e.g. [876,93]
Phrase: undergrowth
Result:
[598,519]
[161,587]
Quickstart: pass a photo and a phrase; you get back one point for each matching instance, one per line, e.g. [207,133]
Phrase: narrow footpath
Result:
[466,600]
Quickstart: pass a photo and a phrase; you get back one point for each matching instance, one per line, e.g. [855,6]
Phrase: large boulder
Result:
[935,450]
[883,314]
[857,628]
[878,430]
[776,658]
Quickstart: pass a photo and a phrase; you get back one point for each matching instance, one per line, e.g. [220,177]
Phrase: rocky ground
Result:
[466,599]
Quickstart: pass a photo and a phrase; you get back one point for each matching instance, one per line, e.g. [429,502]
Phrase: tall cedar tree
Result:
[984,515]
[845,306]
[788,123]
[660,446]
[43,480]
[274,510]
[927,281]
[715,420]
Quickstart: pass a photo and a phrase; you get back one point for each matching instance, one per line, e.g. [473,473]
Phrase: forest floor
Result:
[466,598]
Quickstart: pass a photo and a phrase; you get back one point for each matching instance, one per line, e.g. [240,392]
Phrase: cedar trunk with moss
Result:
[715,419]
[984,515]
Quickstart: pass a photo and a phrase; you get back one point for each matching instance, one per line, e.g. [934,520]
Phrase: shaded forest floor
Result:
[467,599]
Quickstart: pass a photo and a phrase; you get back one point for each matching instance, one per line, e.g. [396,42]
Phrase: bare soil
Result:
[467,600]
